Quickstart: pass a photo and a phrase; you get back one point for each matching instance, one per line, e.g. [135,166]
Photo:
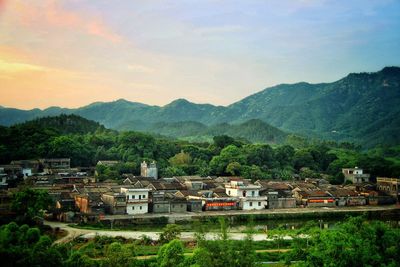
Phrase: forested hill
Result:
[63,124]
[256,131]
[363,108]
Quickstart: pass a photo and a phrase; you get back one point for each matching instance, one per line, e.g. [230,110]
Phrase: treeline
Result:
[86,142]
[355,242]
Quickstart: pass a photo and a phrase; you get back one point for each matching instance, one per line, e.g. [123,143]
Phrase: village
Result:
[80,197]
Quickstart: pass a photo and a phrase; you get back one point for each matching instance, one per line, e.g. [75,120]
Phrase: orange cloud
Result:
[50,13]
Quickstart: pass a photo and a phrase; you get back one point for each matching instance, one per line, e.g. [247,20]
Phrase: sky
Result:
[72,53]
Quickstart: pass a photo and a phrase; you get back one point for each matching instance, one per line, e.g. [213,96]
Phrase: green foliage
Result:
[169,233]
[223,252]
[225,156]
[355,242]
[29,203]
[171,254]
[24,246]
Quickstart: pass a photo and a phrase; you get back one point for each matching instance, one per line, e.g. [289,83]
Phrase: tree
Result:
[30,203]
[355,242]
[233,168]
[119,255]
[180,159]
[169,233]
[223,141]
[229,154]
[171,254]
[24,246]
[173,171]
[303,158]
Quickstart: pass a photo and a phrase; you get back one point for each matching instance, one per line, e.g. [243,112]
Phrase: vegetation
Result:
[355,242]
[86,142]
[29,204]
[361,108]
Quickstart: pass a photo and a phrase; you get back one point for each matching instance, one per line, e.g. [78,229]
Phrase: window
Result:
[181,206]
[252,193]
[259,203]
[229,192]
[127,197]
[140,196]
[133,208]
[144,196]
[133,197]
[140,207]
[251,204]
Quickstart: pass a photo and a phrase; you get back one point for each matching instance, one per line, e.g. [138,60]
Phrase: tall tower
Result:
[143,169]
[152,171]
[149,171]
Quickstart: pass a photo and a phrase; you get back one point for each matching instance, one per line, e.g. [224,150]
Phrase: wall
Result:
[253,204]
[137,208]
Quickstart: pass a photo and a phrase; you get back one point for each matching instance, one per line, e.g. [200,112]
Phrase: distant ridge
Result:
[362,107]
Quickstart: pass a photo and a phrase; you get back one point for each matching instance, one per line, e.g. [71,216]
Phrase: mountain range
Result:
[362,107]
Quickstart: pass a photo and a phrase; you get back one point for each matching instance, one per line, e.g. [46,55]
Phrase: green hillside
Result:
[255,131]
[363,108]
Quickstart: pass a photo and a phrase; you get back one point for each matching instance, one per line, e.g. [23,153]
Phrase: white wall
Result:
[253,204]
[137,208]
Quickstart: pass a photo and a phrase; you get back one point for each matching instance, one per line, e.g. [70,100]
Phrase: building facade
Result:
[137,200]
[355,175]
[249,195]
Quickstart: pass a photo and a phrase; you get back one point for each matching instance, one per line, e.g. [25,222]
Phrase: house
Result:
[65,207]
[11,170]
[248,195]
[114,202]
[177,204]
[159,204]
[28,166]
[194,185]
[218,204]
[347,197]
[390,186]
[314,198]
[149,170]
[280,200]
[137,200]
[56,165]
[194,205]
[88,199]
[355,175]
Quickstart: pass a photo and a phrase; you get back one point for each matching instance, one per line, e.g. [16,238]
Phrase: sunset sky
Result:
[71,53]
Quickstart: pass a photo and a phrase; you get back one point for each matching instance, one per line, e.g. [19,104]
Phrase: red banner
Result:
[320,200]
[220,204]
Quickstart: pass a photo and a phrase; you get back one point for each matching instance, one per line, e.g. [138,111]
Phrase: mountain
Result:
[62,124]
[362,107]
[253,130]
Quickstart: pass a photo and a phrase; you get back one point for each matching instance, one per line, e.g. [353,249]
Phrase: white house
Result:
[249,195]
[355,175]
[137,200]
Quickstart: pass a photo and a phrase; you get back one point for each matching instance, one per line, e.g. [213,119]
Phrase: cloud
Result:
[12,67]
[51,14]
